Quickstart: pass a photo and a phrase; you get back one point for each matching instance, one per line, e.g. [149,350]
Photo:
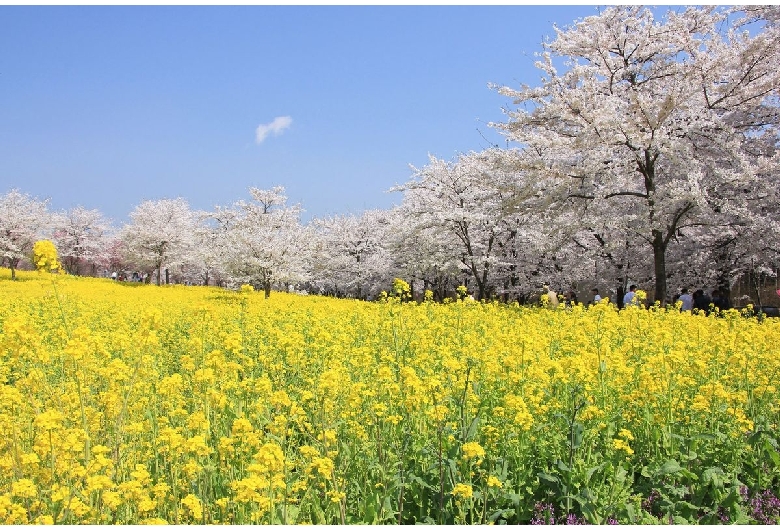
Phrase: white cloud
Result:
[276,127]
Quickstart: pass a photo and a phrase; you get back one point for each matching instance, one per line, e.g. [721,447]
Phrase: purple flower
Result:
[541,512]
[647,504]
[764,507]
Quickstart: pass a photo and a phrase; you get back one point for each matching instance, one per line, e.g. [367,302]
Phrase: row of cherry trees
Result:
[647,153]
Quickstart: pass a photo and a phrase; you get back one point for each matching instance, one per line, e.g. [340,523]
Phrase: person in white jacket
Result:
[630,297]
[686,299]
[552,297]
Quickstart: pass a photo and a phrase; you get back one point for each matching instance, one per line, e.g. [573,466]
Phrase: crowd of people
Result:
[701,300]
[698,300]
[123,277]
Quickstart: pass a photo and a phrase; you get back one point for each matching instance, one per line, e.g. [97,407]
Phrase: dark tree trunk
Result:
[659,260]
[12,264]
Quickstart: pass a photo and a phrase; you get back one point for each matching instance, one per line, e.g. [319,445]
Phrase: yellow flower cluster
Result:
[473,451]
[137,404]
[463,491]
[45,256]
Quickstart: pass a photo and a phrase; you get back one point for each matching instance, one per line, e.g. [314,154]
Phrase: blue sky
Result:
[105,107]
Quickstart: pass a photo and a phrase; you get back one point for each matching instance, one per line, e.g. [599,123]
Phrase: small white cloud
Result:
[276,127]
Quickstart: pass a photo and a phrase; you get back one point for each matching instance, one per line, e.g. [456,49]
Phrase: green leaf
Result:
[472,428]
[715,476]
[732,499]
[669,468]
[506,514]
[767,446]
[578,430]
[387,505]
[631,511]
[589,472]
[546,477]
[318,513]
[370,511]
[688,474]
[453,467]
[692,507]
[292,514]
[585,496]
[755,437]
[421,482]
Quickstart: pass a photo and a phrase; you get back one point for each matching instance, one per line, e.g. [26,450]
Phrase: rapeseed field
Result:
[133,404]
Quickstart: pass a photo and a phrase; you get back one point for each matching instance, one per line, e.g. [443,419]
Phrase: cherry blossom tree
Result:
[23,221]
[204,263]
[262,239]
[664,124]
[160,233]
[483,200]
[353,259]
[80,236]
[116,256]
[423,251]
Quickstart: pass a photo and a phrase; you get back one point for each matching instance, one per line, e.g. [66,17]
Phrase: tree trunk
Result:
[483,285]
[12,264]
[267,288]
[659,261]
[167,276]
[480,279]
[754,275]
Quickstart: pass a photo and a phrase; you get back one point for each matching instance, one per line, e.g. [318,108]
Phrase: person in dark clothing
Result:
[701,301]
[571,299]
[720,301]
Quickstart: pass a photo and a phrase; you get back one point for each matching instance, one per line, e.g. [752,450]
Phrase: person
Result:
[571,299]
[687,300]
[596,295]
[552,297]
[720,300]
[630,297]
[701,301]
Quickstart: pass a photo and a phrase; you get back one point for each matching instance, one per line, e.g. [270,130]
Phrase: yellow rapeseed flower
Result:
[462,491]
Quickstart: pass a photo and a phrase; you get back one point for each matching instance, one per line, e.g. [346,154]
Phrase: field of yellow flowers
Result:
[131,403]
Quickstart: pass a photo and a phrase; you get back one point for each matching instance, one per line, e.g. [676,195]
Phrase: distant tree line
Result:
[648,154]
